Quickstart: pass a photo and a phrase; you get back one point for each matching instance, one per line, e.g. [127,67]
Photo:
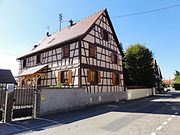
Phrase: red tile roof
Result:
[168,81]
[66,34]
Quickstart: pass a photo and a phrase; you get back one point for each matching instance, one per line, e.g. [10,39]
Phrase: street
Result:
[157,115]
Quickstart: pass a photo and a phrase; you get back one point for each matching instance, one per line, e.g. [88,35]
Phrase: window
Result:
[38,59]
[65,51]
[24,63]
[39,81]
[29,60]
[65,77]
[115,79]
[92,51]
[104,35]
[93,76]
[114,58]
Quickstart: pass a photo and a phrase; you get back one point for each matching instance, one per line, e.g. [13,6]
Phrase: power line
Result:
[146,12]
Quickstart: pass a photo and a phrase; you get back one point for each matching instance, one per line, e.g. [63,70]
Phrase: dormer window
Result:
[24,63]
[104,35]
[114,58]
[38,59]
[65,51]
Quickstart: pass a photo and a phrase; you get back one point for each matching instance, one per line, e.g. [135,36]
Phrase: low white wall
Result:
[58,100]
[104,97]
[138,93]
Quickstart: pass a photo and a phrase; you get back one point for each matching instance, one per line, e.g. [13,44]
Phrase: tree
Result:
[177,73]
[176,83]
[138,65]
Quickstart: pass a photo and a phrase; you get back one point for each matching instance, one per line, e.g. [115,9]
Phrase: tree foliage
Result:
[138,66]
[176,83]
[177,73]
[177,77]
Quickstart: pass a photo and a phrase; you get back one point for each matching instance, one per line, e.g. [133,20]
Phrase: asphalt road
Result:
[158,115]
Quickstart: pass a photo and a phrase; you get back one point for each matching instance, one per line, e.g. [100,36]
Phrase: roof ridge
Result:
[92,15]
[81,20]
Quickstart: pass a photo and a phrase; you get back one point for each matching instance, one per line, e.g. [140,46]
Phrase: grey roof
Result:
[6,76]
[66,34]
[33,70]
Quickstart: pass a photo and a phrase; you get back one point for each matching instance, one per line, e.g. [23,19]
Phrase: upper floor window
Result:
[92,51]
[24,63]
[115,79]
[38,59]
[29,60]
[114,58]
[104,35]
[93,76]
[65,51]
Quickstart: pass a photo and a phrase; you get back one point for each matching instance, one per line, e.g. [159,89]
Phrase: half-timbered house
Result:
[85,54]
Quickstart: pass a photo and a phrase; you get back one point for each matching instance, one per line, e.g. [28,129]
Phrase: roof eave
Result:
[53,46]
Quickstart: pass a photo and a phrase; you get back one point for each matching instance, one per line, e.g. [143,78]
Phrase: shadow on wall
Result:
[150,105]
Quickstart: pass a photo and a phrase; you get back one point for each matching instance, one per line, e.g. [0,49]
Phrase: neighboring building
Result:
[85,54]
[6,77]
[168,82]
[158,75]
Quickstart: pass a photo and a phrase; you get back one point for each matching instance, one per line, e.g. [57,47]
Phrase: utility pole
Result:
[60,21]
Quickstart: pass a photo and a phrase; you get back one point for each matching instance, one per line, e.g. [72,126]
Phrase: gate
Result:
[23,102]
[2,102]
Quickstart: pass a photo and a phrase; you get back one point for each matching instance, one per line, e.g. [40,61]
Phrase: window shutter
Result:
[63,51]
[67,51]
[95,51]
[59,76]
[69,76]
[120,82]
[99,76]
[102,33]
[62,77]
[89,76]
[113,79]
[118,79]
[112,58]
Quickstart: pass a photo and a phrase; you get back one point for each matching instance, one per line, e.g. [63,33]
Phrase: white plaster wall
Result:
[138,93]
[58,100]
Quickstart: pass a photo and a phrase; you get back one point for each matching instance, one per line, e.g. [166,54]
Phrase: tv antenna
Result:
[60,21]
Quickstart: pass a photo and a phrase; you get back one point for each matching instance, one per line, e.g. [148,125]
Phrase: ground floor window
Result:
[65,77]
[39,81]
[115,79]
[93,76]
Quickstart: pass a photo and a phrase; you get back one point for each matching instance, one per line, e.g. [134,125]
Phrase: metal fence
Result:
[23,102]
[2,102]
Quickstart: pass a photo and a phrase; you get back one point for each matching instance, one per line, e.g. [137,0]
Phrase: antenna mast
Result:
[60,21]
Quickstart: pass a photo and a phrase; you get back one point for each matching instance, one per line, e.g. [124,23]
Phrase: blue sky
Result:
[23,23]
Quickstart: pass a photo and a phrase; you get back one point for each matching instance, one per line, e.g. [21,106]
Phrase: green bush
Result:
[59,85]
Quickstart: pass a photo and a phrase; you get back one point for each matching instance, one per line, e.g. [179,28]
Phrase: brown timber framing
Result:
[79,52]
[50,48]
[104,46]
[79,71]
[101,68]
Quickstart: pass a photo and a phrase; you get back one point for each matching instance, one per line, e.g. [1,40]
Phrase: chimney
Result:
[47,34]
[71,22]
